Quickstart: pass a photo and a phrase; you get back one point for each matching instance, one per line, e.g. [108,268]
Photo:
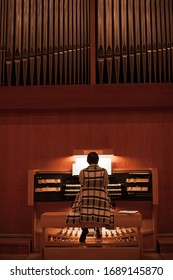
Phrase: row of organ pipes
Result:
[48,41]
[135,41]
[44,42]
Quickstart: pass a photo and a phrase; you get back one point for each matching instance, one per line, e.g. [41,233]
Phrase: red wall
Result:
[46,140]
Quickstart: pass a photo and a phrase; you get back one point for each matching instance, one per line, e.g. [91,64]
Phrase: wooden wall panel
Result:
[47,140]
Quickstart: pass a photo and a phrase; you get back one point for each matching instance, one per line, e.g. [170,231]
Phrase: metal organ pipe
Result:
[171,32]
[148,40]
[109,43]
[143,38]
[25,40]
[116,40]
[66,26]
[82,41]
[70,41]
[163,39]
[153,39]
[159,39]
[168,41]
[18,35]
[124,38]
[88,39]
[45,39]
[10,39]
[137,39]
[100,39]
[74,39]
[85,42]
[50,40]
[61,40]
[131,38]
[56,40]
[39,39]
[78,47]
[32,39]
[3,23]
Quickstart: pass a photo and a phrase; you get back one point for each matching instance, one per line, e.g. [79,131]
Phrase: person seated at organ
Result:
[92,206]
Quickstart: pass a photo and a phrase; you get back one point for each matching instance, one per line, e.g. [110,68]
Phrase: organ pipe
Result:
[50,40]
[148,39]
[88,39]
[163,34]
[168,42]
[70,41]
[25,46]
[85,41]
[137,39]
[39,39]
[45,39]
[18,35]
[116,40]
[32,39]
[61,40]
[78,29]
[74,40]
[154,40]
[171,32]
[3,21]
[109,50]
[131,38]
[82,42]
[143,38]
[10,40]
[124,38]
[1,42]
[100,39]
[56,40]
[159,39]
[66,31]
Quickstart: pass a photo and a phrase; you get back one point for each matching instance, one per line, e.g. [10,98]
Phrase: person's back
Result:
[95,201]
[92,204]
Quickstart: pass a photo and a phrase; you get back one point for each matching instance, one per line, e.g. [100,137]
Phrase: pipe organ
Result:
[47,42]
[51,195]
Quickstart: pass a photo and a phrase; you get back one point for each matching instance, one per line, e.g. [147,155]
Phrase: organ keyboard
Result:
[120,236]
[135,185]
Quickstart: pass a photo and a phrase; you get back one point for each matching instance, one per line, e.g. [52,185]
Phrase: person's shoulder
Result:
[82,170]
[101,168]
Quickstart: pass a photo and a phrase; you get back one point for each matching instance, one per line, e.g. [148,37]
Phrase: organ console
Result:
[51,195]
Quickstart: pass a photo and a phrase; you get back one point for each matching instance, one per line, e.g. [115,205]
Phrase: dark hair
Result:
[92,158]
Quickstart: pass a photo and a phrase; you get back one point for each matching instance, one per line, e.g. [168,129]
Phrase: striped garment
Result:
[92,204]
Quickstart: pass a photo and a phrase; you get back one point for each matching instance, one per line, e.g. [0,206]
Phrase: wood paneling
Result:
[46,140]
[80,97]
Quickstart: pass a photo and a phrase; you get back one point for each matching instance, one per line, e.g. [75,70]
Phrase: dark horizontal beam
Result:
[90,97]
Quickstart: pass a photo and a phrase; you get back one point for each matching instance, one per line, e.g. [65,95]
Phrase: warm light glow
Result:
[105,161]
